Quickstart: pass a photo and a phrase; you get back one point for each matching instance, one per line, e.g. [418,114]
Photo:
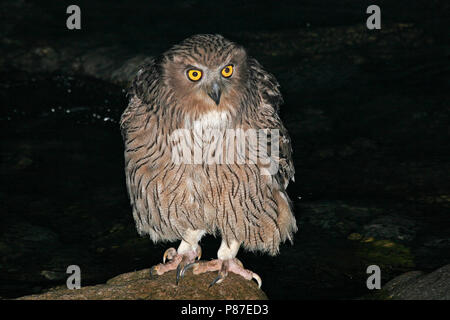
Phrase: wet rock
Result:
[443,243]
[111,64]
[337,217]
[359,220]
[53,275]
[31,237]
[415,285]
[138,286]
[23,163]
[392,257]
[391,227]
[433,250]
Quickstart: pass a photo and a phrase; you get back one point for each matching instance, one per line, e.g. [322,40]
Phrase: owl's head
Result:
[206,72]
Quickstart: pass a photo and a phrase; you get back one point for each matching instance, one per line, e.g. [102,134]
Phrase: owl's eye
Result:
[227,71]
[194,74]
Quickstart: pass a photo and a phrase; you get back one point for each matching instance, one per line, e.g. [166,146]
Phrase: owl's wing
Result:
[143,84]
[268,117]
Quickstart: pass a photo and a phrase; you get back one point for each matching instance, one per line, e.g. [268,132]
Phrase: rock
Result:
[30,237]
[53,275]
[415,285]
[360,220]
[391,227]
[138,286]
[437,242]
[336,217]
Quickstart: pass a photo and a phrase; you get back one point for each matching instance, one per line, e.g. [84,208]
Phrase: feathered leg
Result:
[179,259]
[226,262]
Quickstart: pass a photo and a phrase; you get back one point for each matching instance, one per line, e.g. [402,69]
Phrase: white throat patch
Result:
[210,120]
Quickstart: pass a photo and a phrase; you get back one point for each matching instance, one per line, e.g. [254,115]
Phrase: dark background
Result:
[367,110]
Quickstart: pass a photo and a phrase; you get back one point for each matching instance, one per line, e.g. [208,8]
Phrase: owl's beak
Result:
[215,92]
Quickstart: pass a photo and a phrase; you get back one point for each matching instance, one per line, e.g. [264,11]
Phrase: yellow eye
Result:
[194,74]
[227,71]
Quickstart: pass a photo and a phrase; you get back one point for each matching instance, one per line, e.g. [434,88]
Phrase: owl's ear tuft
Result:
[145,79]
[240,53]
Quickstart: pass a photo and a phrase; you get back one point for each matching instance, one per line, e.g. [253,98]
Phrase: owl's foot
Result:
[180,262]
[225,266]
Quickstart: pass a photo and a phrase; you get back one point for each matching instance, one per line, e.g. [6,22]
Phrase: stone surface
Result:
[415,285]
[138,286]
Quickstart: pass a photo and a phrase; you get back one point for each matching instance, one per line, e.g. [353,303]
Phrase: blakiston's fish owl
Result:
[206,83]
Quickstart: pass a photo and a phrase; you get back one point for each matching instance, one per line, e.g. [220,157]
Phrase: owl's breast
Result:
[214,119]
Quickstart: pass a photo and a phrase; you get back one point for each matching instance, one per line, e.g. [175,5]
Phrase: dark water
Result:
[369,126]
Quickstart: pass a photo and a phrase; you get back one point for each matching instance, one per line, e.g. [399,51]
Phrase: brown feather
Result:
[235,200]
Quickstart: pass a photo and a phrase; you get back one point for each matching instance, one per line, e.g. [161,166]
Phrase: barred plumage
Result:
[182,201]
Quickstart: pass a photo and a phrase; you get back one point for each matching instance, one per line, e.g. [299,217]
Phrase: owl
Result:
[208,93]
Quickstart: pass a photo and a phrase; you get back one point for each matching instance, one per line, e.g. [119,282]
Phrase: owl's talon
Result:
[258,279]
[223,272]
[172,260]
[153,272]
[179,276]
[187,262]
[169,254]
[218,279]
[187,267]
[224,267]
[199,253]
[182,269]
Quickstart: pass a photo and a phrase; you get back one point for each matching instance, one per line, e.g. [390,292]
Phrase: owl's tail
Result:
[286,219]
